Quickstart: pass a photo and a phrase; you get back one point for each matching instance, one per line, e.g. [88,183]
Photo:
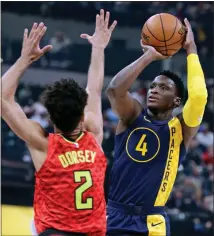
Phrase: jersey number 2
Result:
[80,204]
[142,145]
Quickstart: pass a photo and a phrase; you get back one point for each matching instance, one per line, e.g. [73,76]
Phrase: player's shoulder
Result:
[41,140]
[123,128]
[92,139]
[42,131]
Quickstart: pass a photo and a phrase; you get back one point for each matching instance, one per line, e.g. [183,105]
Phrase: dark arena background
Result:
[190,206]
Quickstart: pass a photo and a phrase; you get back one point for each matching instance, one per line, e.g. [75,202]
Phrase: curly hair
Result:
[65,101]
[178,83]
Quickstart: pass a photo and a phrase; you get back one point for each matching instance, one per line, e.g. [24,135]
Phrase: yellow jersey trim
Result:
[76,141]
[171,167]
[146,119]
[153,155]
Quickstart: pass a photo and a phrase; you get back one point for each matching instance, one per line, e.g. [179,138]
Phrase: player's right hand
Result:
[31,50]
[102,34]
[152,53]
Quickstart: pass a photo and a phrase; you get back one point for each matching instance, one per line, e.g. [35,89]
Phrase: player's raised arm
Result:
[31,132]
[123,104]
[197,93]
[99,40]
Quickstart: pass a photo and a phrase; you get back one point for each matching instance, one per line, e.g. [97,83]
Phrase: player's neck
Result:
[72,135]
[159,115]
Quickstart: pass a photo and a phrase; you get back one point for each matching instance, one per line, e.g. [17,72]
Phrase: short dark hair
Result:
[65,101]
[178,83]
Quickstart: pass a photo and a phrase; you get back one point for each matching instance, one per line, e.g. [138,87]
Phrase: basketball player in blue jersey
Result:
[150,143]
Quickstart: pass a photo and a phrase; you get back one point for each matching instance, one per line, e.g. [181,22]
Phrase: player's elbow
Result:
[113,91]
[110,91]
[4,103]
[94,89]
[5,107]
[4,95]
[200,96]
[7,97]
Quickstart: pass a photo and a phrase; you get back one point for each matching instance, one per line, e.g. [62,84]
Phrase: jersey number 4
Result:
[142,145]
[78,176]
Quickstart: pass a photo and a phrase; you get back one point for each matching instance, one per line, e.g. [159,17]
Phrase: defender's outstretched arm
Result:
[28,130]
[99,40]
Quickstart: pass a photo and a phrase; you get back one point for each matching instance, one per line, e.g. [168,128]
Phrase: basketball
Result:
[164,32]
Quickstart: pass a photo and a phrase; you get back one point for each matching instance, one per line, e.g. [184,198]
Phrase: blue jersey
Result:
[146,159]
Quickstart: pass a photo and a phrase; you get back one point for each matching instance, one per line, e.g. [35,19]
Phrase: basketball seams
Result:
[170,44]
[153,34]
[176,22]
[164,21]
[163,33]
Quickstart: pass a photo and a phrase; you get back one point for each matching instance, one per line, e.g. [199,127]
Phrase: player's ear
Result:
[177,101]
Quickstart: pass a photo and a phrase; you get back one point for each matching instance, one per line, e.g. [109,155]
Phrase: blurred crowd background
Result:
[191,203]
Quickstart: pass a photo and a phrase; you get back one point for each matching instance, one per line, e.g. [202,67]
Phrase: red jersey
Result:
[69,189]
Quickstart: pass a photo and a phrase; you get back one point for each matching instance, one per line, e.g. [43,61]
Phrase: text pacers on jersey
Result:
[76,157]
[169,160]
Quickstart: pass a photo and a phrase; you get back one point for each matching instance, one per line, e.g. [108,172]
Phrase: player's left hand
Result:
[31,50]
[102,34]
[189,43]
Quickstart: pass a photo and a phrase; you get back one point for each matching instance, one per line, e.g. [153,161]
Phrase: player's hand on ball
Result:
[152,53]
[31,50]
[189,43]
[102,34]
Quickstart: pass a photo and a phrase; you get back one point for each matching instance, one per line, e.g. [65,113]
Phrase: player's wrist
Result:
[97,53]
[24,61]
[149,57]
[98,47]
[191,49]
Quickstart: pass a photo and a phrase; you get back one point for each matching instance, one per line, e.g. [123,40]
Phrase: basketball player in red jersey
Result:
[70,164]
